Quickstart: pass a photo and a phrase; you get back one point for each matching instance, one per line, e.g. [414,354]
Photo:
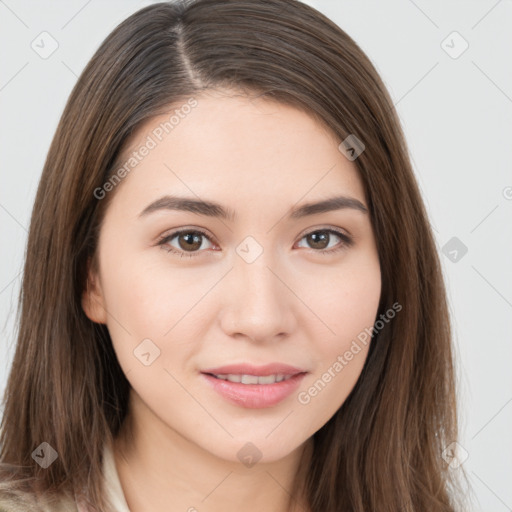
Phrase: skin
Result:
[293,304]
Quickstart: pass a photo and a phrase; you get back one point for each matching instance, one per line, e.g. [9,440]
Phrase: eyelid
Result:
[326,228]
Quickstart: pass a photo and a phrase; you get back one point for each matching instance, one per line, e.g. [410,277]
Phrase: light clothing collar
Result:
[113,488]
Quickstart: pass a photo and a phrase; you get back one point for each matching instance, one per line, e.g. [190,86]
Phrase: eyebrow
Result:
[212,209]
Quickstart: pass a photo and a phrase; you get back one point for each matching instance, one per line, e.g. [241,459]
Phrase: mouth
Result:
[252,379]
[254,387]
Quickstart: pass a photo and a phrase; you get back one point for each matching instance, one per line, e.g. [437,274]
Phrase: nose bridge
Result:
[257,303]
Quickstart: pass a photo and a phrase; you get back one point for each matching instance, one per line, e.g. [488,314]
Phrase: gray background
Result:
[456,113]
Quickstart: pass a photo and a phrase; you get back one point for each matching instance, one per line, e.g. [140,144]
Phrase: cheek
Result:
[349,311]
[151,300]
[149,296]
[350,302]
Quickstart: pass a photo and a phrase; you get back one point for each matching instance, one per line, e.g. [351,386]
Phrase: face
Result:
[268,300]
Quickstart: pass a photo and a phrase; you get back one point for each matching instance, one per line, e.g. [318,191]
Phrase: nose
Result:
[257,302]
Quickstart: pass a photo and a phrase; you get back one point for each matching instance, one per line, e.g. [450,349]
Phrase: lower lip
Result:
[254,396]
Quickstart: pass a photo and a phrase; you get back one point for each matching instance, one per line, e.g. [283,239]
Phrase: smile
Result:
[254,391]
[253,379]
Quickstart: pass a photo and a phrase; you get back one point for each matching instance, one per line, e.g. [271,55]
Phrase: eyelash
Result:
[347,241]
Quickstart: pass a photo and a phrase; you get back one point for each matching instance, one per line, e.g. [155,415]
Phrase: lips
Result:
[249,369]
[252,386]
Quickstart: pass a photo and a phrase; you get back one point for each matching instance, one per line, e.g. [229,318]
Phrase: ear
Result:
[93,302]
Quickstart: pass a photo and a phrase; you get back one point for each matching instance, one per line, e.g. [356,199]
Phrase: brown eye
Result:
[321,239]
[318,239]
[189,242]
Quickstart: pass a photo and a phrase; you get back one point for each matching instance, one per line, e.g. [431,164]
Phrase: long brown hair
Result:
[382,449]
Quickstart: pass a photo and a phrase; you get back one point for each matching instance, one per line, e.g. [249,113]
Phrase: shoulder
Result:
[22,502]
[15,502]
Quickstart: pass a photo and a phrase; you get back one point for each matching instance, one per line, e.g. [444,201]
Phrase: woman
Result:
[290,347]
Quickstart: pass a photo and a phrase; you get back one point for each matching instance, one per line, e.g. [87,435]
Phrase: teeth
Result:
[268,379]
[249,379]
[254,379]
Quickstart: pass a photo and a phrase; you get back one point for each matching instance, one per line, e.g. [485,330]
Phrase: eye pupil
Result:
[193,241]
[321,237]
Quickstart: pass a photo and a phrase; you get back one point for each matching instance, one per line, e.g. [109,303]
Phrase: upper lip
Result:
[249,369]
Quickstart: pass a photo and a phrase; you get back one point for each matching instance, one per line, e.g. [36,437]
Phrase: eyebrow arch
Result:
[212,209]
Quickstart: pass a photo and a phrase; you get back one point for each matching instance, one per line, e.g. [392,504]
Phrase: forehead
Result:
[236,148]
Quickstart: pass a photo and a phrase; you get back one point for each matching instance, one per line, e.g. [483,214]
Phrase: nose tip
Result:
[257,304]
